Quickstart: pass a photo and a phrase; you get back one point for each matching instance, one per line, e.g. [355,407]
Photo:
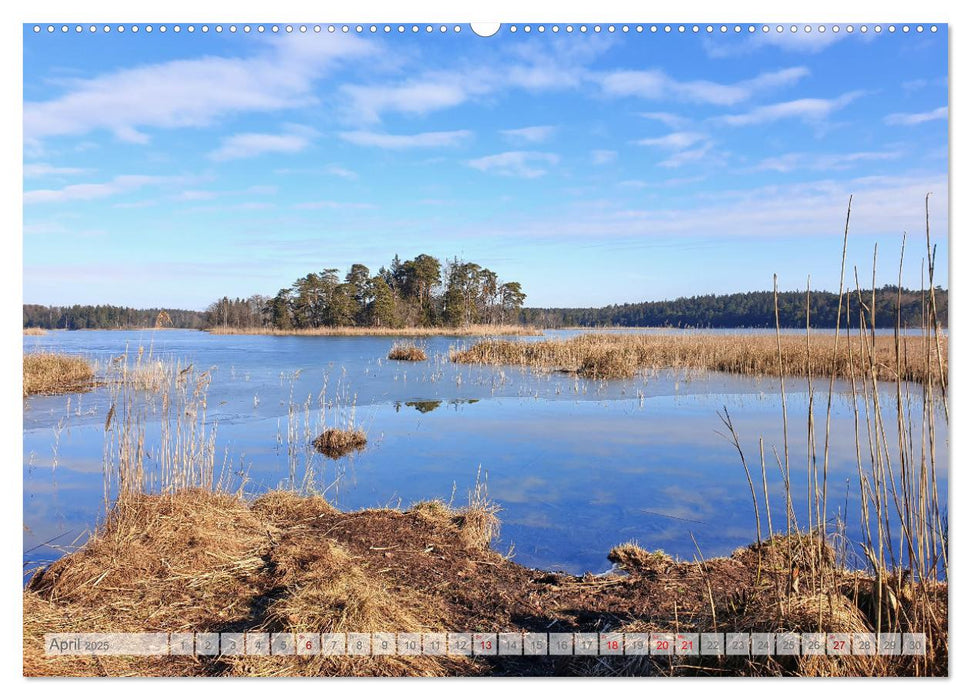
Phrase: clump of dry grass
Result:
[407,352]
[477,524]
[52,373]
[33,330]
[608,356]
[631,557]
[416,331]
[337,442]
[203,561]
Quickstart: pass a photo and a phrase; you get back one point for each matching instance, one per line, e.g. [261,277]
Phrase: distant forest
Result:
[102,316]
[406,293]
[743,310]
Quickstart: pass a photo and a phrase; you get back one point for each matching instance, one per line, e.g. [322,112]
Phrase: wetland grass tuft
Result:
[337,442]
[407,352]
[53,373]
[33,330]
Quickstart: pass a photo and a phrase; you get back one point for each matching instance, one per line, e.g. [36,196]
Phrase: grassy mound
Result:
[50,373]
[407,352]
[337,442]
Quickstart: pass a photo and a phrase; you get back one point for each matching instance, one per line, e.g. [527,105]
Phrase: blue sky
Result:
[171,169]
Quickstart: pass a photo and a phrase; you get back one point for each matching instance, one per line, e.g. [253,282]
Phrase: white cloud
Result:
[789,162]
[807,109]
[97,190]
[558,65]
[602,157]
[45,170]
[341,172]
[882,206]
[656,85]
[901,119]
[333,205]
[676,140]
[529,134]
[415,98]
[192,92]
[528,164]
[196,195]
[251,145]
[673,121]
[428,139]
[800,41]
[688,156]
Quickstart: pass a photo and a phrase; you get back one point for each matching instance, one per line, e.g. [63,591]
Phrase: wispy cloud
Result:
[657,85]
[428,139]
[673,121]
[691,155]
[528,164]
[192,92]
[800,41]
[912,119]
[558,65]
[790,162]
[47,170]
[250,145]
[416,97]
[529,134]
[602,156]
[98,190]
[329,204]
[675,140]
[807,109]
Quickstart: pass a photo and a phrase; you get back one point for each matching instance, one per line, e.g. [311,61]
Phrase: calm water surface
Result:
[577,466]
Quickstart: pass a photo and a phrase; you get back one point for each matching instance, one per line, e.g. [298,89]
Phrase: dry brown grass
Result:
[422,332]
[51,373]
[608,356]
[407,352]
[202,561]
[337,442]
[34,331]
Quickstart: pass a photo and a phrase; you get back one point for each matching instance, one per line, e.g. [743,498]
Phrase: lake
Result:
[577,466]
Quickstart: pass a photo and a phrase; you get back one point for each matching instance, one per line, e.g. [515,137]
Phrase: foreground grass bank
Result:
[51,373]
[610,356]
[473,330]
[202,561]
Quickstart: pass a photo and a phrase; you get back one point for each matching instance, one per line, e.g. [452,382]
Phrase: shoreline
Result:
[198,561]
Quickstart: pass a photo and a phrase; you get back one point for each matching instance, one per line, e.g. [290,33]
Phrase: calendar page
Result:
[496,349]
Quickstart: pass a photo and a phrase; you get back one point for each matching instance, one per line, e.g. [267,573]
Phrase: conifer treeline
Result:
[412,293]
[744,310]
[81,317]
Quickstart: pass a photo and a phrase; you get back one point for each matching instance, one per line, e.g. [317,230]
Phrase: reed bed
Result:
[33,330]
[53,373]
[407,352]
[902,515]
[614,356]
[158,438]
[417,332]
